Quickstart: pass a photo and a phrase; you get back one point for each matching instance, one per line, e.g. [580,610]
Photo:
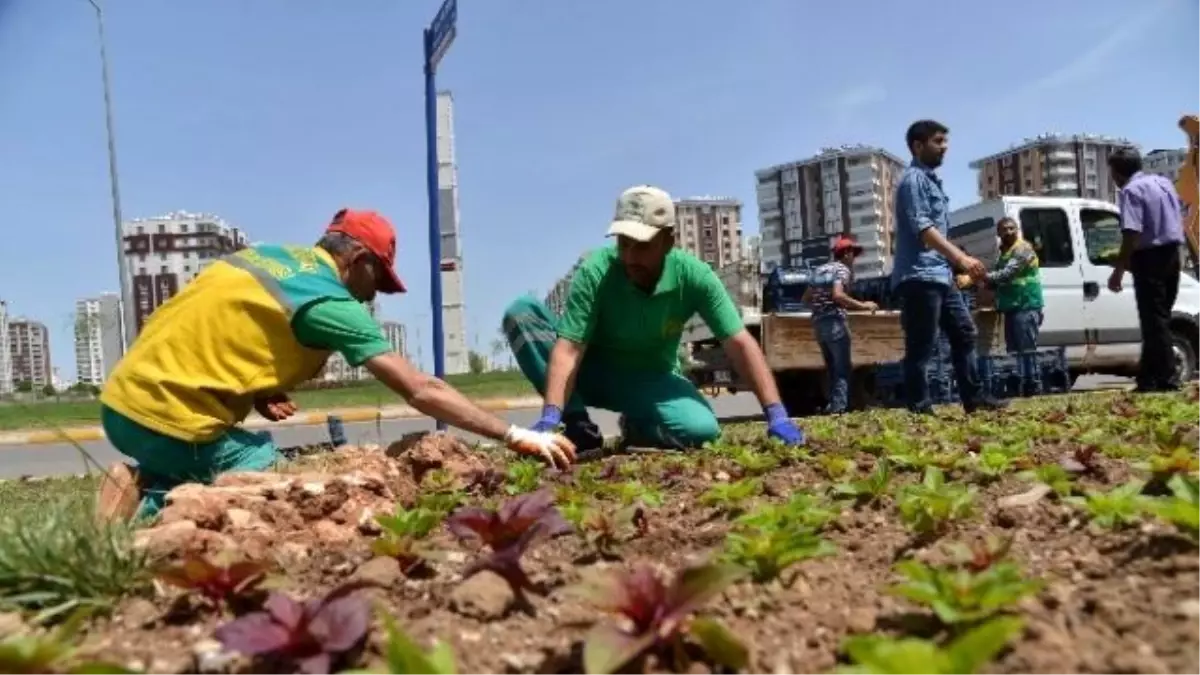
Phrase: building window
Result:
[724,220]
[163,269]
[162,229]
[1049,233]
[183,228]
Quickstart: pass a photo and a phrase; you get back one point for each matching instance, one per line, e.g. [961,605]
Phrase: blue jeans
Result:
[1021,329]
[926,306]
[834,339]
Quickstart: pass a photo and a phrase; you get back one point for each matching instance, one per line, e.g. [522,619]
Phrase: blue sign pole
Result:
[437,39]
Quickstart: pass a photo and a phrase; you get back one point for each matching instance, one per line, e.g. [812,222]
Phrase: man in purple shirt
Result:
[1152,232]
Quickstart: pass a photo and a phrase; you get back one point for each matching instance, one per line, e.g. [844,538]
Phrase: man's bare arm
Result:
[749,361]
[843,299]
[434,397]
[565,358]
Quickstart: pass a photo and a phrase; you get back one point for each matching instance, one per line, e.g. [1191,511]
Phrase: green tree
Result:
[24,386]
[476,362]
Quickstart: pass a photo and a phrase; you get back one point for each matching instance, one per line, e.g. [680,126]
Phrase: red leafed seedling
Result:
[659,616]
[509,532]
[216,583]
[307,636]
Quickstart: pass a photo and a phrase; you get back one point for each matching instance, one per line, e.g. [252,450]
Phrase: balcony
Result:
[1061,154]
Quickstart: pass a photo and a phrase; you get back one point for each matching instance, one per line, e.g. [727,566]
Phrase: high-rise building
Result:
[1165,162]
[556,299]
[1052,165]
[165,252]
[454,328]
[396,336]
[847,190]
[97,337]
[29,349]
[6,374]
[710,228]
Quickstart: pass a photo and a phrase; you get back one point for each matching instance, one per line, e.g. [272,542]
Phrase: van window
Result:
[1050,233]
[1102,234]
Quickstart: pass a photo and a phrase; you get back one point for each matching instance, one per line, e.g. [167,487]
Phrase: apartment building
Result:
[165,252]
[396,336]
[1165,162]
[1052,165]
[710,228]
[556,299]
[6,378]
[848,190]
[29,352]
[98,344]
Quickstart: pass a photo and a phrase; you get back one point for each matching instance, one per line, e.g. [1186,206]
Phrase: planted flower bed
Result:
[1059,536]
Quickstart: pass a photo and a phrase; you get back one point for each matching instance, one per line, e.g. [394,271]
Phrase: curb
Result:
[318,417]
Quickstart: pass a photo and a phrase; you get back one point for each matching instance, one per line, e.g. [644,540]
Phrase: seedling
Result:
[994,461]
[803,510]
[870,489]
[485,482]
[637,492]
[1053,476]
[509,532]
[967,653]
[1182,508]
[439,480]
[960,595]
[310,635]
[1181,461]
[767,553]
[729,497]
[523,476]
[218,584]
[405,657]
[981,555]
[1120,506]
[658,618]
[754,463]
[927,507]
[441,503]
[414,523]
[604,530]
[50,652]
[835,466]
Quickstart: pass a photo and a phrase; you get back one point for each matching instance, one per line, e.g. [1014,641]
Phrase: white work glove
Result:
[554,449]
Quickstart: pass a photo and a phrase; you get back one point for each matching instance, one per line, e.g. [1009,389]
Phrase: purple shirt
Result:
[1150,206]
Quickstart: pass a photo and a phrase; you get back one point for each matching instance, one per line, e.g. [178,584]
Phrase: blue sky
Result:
[275,113]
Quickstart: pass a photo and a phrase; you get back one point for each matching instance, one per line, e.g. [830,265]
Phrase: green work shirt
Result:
[342,326]
[631,328]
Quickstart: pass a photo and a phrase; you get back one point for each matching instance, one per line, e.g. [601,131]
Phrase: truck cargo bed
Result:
[790,342]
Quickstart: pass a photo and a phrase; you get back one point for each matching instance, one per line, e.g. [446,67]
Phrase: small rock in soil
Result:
[11,623]
[485,596]
[860,620]
[1027,498]
[382,570]
[1189,609]
[139,613]
[211,657]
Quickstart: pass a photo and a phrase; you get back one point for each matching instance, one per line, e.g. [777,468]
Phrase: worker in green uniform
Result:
[1017,281]
[616,345]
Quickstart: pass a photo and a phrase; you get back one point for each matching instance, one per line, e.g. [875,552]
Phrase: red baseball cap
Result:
[375,233]
[844,244]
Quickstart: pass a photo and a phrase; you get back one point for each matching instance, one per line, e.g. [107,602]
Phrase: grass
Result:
[52,414]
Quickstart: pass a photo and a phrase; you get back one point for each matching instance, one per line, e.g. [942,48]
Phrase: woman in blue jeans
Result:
[826,296]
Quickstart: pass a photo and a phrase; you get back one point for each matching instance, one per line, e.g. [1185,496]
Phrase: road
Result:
[61,459]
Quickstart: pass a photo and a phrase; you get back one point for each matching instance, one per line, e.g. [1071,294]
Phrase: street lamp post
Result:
[122,271]
[437,39]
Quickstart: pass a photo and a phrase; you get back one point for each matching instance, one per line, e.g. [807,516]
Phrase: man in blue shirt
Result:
[922,276]
[1152,233]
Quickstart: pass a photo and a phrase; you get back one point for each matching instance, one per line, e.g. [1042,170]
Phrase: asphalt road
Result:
[60,459]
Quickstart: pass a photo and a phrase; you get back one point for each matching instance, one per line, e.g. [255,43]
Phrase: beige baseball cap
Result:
[642,212]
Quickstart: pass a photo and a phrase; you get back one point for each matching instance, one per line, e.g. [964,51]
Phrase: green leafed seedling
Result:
[929,505]
[1182,508]
[870,489]
[730,497]
[768,553]
[1120,506]
[960,595]
[966,654]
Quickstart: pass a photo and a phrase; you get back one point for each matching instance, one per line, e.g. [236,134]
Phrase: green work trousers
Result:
[164,462]
[661,409]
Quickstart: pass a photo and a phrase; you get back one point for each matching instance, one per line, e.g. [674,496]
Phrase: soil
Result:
[1123,600]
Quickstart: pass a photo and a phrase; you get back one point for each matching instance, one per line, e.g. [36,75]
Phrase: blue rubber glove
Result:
[551,418]
[781,427]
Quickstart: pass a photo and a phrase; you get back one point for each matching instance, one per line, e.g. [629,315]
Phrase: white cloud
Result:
[850,101]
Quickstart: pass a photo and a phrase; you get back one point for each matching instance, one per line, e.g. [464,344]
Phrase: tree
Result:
[498,347]
[49,391]
[476,362]
[24,386]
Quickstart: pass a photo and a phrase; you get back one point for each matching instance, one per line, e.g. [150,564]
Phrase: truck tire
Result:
[1185,356]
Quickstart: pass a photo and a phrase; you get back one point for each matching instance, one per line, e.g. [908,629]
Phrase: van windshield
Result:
[1102,232]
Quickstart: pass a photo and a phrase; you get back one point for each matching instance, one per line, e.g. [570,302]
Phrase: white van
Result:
[1076,240]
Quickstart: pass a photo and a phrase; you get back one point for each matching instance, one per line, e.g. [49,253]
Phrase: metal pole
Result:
[122,270]
[435,233]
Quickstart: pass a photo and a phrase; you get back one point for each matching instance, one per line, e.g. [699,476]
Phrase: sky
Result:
[276,113]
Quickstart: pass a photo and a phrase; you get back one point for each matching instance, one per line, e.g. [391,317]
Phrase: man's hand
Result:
[276,407]
[550,419]
[554,449]
[781,427]
[1115,280]
[972,267]
[963,281]
[870,306]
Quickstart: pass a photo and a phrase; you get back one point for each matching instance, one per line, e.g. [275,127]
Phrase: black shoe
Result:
[583,433]
[985,403]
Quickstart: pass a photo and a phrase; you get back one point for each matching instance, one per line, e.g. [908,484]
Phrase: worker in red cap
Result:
[827,297]
[248,329]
